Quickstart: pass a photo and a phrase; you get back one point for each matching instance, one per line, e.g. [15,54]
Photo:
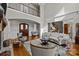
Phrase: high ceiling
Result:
[54,9]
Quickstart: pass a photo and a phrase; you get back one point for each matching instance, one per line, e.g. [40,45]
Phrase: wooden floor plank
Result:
[21,51]
[74,50]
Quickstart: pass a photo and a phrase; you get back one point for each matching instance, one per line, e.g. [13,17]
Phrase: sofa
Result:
[59,37]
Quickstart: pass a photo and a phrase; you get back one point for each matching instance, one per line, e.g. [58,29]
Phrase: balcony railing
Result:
[28,8]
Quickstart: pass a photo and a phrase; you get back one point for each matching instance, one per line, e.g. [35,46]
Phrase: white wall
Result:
[72,21]
[43,24]
[13,28]
[50,10]
[53,9]
[14,14]
[47,11]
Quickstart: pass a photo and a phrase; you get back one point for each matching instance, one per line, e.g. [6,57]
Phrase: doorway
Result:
[65,28]
[77,29]
[24,29]
[77,34]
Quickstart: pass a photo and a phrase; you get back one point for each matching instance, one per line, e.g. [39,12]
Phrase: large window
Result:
[30,8]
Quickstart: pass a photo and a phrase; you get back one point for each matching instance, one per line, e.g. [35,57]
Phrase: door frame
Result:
[66,28]
[27,29]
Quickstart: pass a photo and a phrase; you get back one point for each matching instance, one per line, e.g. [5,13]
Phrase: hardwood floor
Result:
[21,51]
[74,50]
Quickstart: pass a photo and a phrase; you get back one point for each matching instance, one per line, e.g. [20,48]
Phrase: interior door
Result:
[77,34]
[24,29]
[77,29]
[65,28]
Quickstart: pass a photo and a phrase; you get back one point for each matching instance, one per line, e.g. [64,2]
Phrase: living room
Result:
[41,27]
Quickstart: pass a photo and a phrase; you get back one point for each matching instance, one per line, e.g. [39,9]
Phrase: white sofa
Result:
[60,37]
[36,51]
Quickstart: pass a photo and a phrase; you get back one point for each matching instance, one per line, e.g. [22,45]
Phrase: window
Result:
[25,26]
[21,26]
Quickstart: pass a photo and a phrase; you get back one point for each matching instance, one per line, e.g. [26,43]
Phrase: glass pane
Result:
[21,26]
[26,27]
